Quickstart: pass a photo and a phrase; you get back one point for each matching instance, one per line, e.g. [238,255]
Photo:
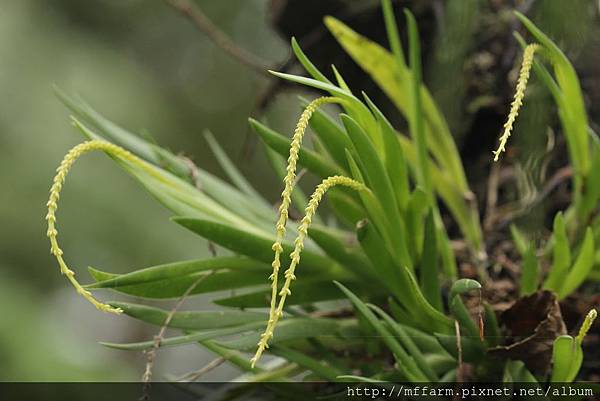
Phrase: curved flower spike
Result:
[311,209]
[519,95]
[286,195]
[61,174]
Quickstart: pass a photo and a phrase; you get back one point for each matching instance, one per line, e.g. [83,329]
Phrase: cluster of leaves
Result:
[389,254]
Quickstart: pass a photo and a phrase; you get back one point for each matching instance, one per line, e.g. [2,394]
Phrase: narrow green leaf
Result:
[407,343]
[519,239]
[318,368]
[429,266]
[582,267]
[567,357]
[392,32]
[307,64]
[561,254]
[333,246]
[190,320]
[254,246]
[394,79]
[231,170]
[183,268]
[530,275]
[307,158]
[294,329]
[395,162]
[406,364]
[306,291]
[493,335]
[515,372]
[189,338]
[378,181]
[177,286]
[416,120]
[352,105]
[473,350]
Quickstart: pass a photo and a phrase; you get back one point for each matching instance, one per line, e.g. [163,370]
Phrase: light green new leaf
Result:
[394,79]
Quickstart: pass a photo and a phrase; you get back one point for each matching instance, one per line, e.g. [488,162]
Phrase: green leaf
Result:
[407,343]
[254,246]
[561,254]
[430,284]
[178,269]
[306,291]
[530,275]
[333,246]
[177,286]
[582,267]
[493,335]
[147,151]
[378,181]
[190,320]
[394,79]
[463,286]
[515,372]
[460,312]
[457,201]
[318,368]
[392,32]
[519,239]
[189,338]
[354,107]
[307,64]
[231,170]
[473,350]
[416,119]
[307,158]
[406,364]
[345,207]
[233,356]
[395,162]
[567,357]
[401,281]
[289,329]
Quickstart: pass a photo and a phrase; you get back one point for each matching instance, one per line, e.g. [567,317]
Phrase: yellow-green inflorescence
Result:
[587,324]
[519,95]
[276,310]
[59,179]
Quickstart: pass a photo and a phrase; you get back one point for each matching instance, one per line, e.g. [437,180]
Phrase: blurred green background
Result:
[147,68]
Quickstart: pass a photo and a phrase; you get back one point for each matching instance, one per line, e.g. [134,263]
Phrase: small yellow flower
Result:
[519,95]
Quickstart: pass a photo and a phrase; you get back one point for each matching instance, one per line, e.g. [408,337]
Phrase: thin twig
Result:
[218,37]
[151,355]
[195,375]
